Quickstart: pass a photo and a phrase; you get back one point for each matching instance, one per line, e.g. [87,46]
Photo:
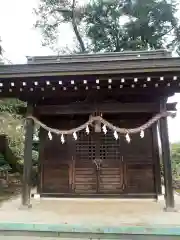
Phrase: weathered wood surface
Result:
[27,168]
[97,163]
[88,66]
[111,107]
[166,159]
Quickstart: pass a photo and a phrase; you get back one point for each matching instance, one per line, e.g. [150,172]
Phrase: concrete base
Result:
[25,207]
[169,209]
[35,231]
[104,212]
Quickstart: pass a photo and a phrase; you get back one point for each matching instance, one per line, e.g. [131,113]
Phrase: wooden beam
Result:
[26,189]
[111,107]
[166,158]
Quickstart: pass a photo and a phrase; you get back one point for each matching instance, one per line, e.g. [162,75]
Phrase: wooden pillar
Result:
[156,160]
[42,134]
[166,159]
[26,189]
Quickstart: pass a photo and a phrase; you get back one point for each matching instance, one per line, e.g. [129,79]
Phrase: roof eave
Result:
[91,68]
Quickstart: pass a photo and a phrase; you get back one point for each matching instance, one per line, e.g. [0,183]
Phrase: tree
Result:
[131,25]
[113,25]
[52,13]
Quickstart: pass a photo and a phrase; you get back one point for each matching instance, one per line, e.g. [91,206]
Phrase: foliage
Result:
[175,161]
[113,25]
[175,155]
[12,125]
[146,24]
[35,156]
[11,105]
[2,160]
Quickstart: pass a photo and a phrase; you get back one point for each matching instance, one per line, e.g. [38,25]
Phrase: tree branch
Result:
[61,10]
[162,35]
[74,25]
[75,28]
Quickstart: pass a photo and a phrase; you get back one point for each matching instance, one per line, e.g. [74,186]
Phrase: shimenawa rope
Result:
[93,119]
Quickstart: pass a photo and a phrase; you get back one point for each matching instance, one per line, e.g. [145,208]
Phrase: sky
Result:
[20,39]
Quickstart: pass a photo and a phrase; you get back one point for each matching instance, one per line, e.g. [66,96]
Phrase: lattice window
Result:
[109,147]
[85,147]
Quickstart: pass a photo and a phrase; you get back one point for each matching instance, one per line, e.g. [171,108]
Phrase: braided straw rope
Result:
[106,123]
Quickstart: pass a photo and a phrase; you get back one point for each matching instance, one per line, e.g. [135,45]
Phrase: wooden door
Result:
[85,179]
[98,164]
[111,175]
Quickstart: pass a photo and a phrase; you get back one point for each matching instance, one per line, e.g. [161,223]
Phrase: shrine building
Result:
[99,117]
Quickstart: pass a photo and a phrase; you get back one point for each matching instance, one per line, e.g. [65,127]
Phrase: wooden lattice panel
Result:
[85,171]
[108,177]
[111,170]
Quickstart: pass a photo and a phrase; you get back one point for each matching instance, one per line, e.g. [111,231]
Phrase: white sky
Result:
[20,39]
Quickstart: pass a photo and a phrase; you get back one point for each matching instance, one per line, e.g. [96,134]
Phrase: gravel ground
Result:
[101,212]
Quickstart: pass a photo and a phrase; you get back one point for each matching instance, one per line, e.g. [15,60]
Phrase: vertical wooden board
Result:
[56,179]
[56,162]
[140,178]
[139,148]
[138,161]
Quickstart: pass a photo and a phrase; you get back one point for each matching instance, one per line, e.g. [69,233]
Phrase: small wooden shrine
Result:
[98,115]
